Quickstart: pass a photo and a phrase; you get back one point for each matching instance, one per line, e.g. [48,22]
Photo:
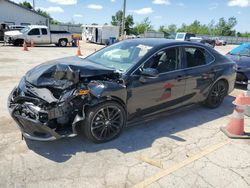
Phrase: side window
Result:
[165,61]
[44,32]
[34,32]
[197,56]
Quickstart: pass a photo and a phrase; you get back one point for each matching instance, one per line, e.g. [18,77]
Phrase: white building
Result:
[12,13]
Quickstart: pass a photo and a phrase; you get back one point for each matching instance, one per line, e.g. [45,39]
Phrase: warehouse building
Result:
[12,13]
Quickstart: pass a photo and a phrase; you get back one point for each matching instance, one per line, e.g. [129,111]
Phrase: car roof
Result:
[37,26]
[159,42]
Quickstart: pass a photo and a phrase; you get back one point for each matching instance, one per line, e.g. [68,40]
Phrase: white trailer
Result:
[99,34]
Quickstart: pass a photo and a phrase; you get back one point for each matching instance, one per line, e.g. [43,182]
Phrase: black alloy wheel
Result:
[217,94]
[104,122]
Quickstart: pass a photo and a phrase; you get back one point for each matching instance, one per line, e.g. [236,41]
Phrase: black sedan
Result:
[241,55]
[130,79]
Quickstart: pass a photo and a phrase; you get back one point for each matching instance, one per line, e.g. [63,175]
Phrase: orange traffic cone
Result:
[78,52]
[25,48]
[32,44]
[235,128]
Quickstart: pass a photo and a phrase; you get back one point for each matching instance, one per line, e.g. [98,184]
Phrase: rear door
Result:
[34,35]
[149,95]
[199,72]
[45,36]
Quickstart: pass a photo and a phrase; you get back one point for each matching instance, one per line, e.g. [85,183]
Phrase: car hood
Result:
[241,61]
[13,33]
[63,73]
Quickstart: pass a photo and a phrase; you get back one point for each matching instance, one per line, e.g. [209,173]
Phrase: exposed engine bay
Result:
[50,100]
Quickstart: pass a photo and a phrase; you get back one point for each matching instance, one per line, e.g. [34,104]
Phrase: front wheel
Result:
[216,94]
[104,122]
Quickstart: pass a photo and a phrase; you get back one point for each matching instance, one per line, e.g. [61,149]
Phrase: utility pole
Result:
[123,19]
[34,5]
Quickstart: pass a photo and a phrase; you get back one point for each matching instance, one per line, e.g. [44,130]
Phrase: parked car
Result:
[16,27]
[5,27]
[39,35]
[124,82]
[241,55]
[192,37]
[220,42]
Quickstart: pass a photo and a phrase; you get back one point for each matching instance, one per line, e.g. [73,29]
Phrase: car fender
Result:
[108,90]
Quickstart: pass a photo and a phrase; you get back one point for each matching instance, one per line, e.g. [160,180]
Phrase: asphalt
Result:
[184,149]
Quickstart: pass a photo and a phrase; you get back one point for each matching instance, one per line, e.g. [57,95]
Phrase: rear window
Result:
[197,56]
[44,32]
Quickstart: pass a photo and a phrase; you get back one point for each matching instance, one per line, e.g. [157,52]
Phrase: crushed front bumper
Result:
[32,128]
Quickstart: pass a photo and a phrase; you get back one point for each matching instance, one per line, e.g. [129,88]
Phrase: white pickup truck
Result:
[39,35]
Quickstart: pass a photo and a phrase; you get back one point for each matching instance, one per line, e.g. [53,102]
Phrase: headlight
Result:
[22,85]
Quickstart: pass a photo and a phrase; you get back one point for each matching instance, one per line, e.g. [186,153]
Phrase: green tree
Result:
[172,28]
[142,27]
[117,21]
[162,29]
[44,13]
[225,27]
[26,4]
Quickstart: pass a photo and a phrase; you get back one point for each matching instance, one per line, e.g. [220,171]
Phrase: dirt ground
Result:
[185,149]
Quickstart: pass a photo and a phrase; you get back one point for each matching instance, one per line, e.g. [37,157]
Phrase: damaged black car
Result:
[121,83]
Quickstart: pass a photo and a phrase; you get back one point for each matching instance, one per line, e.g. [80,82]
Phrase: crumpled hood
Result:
[13,33]
[63,73]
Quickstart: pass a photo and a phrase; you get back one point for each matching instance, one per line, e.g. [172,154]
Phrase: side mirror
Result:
[150,72]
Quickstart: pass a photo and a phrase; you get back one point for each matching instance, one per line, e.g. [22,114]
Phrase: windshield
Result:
[24,30]
[242,50]
[120,56]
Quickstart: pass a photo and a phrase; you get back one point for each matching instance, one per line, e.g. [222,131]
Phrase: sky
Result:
[160,12]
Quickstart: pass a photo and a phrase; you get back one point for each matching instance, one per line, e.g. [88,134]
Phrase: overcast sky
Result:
[160,12]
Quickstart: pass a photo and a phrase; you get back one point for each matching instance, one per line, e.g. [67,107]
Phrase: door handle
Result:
[183,77]
[179,78]
[38,36]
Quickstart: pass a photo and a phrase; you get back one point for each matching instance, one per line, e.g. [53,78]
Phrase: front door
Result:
[165,91]
[45,36]
[35,36]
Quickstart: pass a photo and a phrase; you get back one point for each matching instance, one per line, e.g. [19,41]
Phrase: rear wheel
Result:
[63,42]
[104,122]
[217,94]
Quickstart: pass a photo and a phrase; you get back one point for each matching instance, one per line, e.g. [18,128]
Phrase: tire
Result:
[216,94]
[98,126]
[63,42]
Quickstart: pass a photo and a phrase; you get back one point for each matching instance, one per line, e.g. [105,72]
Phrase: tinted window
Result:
[165,61]
[34,32]
[44,32]
[197,57]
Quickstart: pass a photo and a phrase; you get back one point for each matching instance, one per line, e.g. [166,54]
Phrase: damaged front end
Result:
[49,101]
